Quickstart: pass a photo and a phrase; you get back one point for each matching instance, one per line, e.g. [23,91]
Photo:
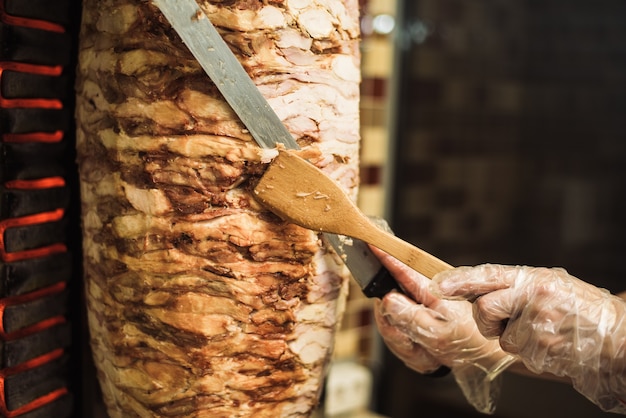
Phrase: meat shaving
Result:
[198,16]
[317,195]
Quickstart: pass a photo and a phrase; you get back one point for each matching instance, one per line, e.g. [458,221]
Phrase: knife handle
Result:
[382,283]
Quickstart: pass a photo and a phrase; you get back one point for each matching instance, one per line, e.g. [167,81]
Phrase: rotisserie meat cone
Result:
[201,303]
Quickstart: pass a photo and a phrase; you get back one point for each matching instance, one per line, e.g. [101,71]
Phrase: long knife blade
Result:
[229,76]
[238,89]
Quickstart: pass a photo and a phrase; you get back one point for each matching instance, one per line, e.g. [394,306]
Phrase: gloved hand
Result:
[554,322]
[426,332]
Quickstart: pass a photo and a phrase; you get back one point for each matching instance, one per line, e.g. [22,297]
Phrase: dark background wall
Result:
[510,148]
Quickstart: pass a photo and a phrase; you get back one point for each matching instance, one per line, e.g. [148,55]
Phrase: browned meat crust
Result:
[200,303]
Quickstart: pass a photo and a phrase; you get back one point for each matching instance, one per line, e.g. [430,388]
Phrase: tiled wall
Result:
[378,57]
[512,142]
[511,149]
[461,109]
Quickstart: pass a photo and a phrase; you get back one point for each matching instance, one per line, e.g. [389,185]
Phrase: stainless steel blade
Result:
[227,73]
[218,61]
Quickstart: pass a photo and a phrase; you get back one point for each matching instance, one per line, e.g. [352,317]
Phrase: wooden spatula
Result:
[299,192]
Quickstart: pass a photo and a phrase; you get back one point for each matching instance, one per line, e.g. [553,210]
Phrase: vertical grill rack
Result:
[35,262]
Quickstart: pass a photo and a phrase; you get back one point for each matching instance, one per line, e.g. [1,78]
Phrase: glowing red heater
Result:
[35,263]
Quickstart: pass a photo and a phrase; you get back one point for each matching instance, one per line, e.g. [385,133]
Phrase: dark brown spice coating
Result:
[200,302]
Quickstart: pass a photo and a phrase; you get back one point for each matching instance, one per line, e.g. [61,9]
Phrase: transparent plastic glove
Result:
[426,332]
[554,322]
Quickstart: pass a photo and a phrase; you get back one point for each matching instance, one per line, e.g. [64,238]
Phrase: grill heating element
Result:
[35,263]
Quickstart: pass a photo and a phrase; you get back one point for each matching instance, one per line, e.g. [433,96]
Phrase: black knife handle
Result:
[382,283]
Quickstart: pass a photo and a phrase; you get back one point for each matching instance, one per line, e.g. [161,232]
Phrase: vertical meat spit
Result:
[35,262]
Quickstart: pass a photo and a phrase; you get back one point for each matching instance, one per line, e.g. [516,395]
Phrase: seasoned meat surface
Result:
[200,302]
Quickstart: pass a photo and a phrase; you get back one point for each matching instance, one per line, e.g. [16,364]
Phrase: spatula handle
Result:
[416,258]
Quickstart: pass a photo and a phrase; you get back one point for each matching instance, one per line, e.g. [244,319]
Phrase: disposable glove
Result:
[426,332]
[554,322]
